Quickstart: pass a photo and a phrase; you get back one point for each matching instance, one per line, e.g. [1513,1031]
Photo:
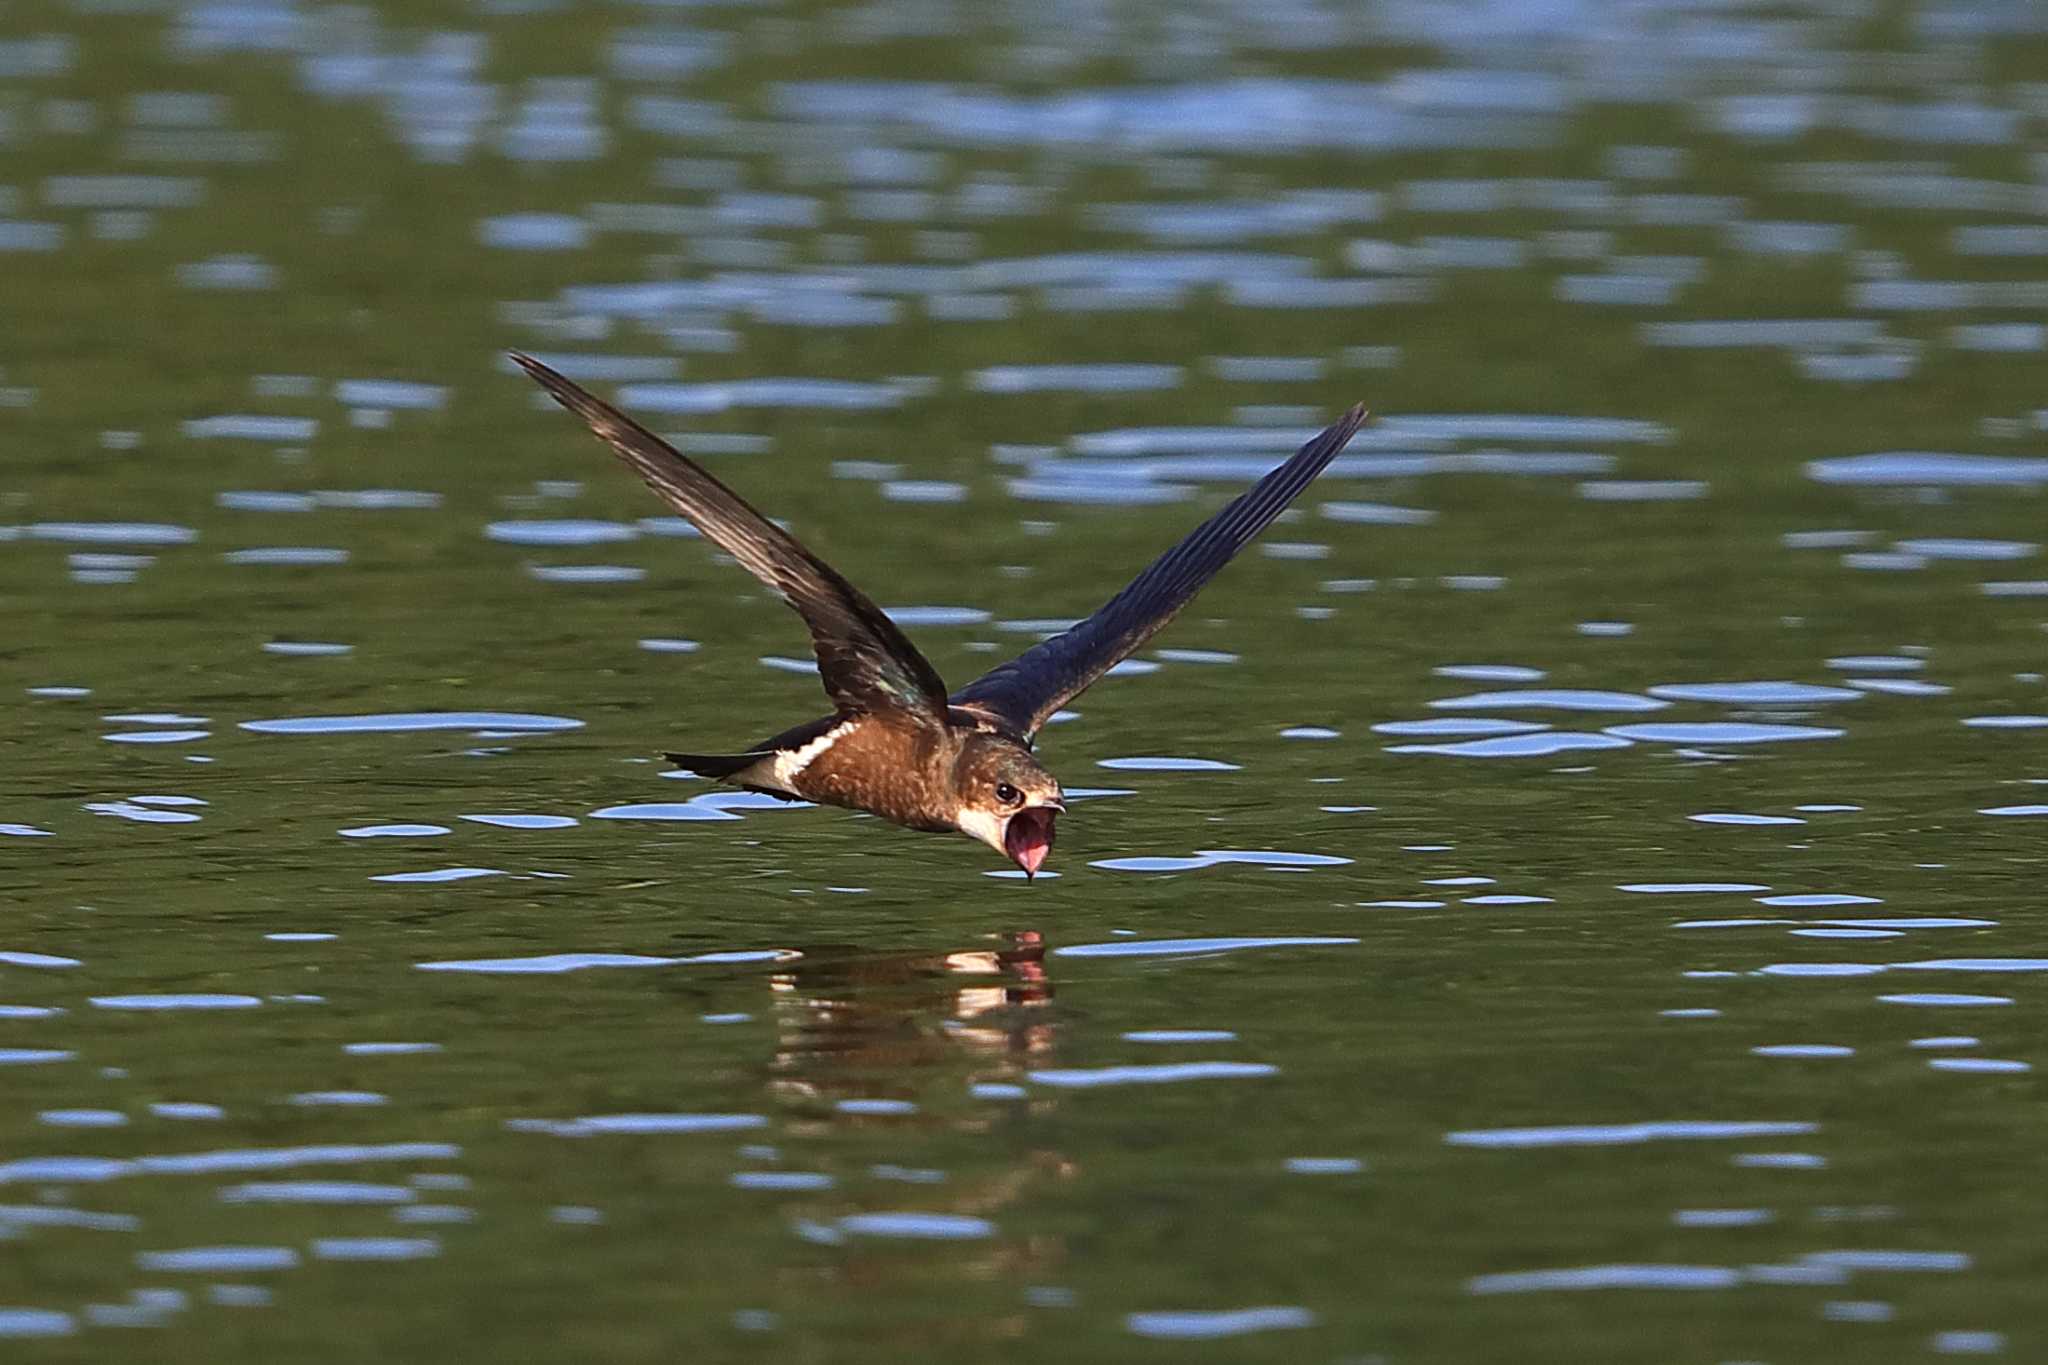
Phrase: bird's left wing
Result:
[866,662]
[1020,695]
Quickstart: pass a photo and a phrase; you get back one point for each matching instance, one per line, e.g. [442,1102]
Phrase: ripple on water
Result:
[601,1125]
[586,573]
[1876,663]
[555,963]
[218,1260]
[111,533]
[83,1118]
[1623,1134]
[395,722]
[1691,888]
[1822,969]
[781,1180]
[1913,922]
[1517,746]
[1489,672]
[1885,1259]
[561,532]
[1458,725]
[316,1192]
[20,959]
[1722,1218]
[176,1002]
[1963,547]
[940,1227]
[1159,1073]
[516,821]
[142,813]
[697,808]
[375,1248]
[1740,818]
[63,1169]
[309,649]
[1167,765]
[767,392]
[1203,1324]
[1723,732]
[1754,693]
[287,555]
[1900,687]
[1819,899]
[1925,468]
[1968,1342]
[1192,947]
[1945,1000]
[1552,698]
[1212,857]
[1606,1277]
[36,1322]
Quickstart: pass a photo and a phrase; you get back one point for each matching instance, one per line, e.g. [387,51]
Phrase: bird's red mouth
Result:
[1027,838]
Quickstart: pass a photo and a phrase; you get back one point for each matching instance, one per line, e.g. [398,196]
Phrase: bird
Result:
[897,744]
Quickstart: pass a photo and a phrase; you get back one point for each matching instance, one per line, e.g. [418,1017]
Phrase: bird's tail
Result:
[716,766]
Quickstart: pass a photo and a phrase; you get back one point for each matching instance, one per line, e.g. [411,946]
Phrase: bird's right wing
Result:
[866,662]
[1020,695]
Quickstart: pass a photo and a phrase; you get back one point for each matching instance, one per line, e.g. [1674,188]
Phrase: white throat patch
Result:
[984,825]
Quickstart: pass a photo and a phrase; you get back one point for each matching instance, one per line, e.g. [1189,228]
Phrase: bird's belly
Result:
[880,774]
[897,800]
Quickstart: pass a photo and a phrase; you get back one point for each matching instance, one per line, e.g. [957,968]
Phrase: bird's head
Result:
[1004,799]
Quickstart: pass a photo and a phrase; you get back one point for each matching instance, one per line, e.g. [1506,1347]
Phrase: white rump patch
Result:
[778,772]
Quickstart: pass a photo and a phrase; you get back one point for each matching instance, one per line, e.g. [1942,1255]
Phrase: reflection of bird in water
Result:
[855,1027]
[863,1025]
[896,744]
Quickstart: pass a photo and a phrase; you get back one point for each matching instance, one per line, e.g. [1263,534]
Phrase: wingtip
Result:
[559,386]
[535,370]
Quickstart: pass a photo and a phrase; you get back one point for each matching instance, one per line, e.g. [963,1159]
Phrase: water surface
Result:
[1574,895]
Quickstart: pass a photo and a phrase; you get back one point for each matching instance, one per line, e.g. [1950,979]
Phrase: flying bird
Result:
[897,744]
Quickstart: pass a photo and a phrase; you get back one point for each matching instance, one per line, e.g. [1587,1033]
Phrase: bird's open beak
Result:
[1027,836]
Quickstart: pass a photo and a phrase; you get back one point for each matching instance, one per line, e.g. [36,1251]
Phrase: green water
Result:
[1470,1093]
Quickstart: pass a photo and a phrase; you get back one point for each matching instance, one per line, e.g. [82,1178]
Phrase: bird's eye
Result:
[1008,794]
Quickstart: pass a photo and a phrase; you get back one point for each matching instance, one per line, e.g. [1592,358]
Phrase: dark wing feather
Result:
[1021,694]
[866,662]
